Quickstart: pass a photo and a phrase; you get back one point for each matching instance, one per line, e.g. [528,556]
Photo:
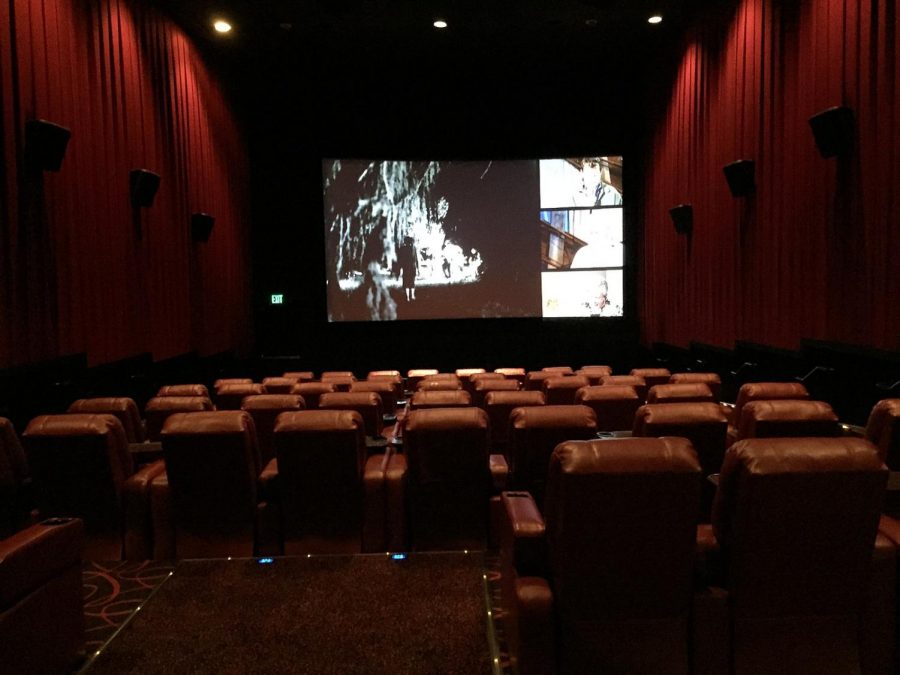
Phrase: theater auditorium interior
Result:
[357,336]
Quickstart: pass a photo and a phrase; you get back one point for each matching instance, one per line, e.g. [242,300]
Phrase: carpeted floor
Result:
[424,614]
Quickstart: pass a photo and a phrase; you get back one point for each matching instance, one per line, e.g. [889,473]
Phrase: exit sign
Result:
[277,298]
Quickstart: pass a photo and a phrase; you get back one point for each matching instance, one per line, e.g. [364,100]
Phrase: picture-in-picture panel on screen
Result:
[451,239]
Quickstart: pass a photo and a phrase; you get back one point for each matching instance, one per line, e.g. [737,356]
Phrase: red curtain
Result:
[80,270]
[811,254]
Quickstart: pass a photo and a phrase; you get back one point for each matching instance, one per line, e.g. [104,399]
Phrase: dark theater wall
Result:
[813,253]
[80,271]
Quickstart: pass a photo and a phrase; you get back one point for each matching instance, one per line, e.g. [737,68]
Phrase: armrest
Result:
[523,534]
[395,501]
[268,481]
[710,632]
[33,556]
[137,539]
[499,472]
[374,537]
[268,539]
[530,629]
[161,514]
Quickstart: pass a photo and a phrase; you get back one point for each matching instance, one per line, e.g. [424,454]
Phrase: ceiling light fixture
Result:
[222,26]
[439,23]
[656,18]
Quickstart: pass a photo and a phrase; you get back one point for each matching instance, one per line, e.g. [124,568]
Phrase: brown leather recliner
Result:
[429,398]
[183,390]
[652,376]
[341,379]
[480,388]
[231,380]
[696,392]
[883,430]
[415,375]
[41,598]
[385,388]
[124,409]
[207,502]
[558,370]
[158,410]
[796,522]
[366,403]
[603,582]
[299,375]
[15,481]
[386,376]
[439,384]
[533,434]
[561,390]
[81,468]
[639,384]
[230,396]
[765,391]
[331,498]
[278,385]
[534,379]
[779,418]
[265,409]
[594,373]
[613,404]
[512,373]
[711,380]
[499,405]
[449,481]
[312,391]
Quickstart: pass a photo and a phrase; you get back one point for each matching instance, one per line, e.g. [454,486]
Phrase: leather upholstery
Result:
[41,605]
[652,376]
[342,380]
[534,379]
[183,390]
[380,377]
[375,374]
[299,375]
[480,388]
[312,391]
[594,373]
[231,380]
[157,411]
[796,519]
[230,396]
[449,480]
[680,393]
[265,409]
[768,419]
[465,373]
[386,389]
[561,390]
[211,482]
[639,383]
[440,399]
[15,481]
[513,373]
[533,434]
[613,404]
[442,384]
[559,370]
[499,404]
[883,430]
[766,391]
[704,424]
[470,381]
[278,385]
[331,497]
[711,380]
[332,374]
[367,404]
[124,409]
[414,375]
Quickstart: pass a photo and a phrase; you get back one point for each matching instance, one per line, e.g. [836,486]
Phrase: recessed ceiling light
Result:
[222,26]
[656,18]
[439,23]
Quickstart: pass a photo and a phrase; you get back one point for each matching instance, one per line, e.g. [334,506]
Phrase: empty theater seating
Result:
[534,379]
[207,502]
[81,468]
[15,481]
[331,498]
[440,399]
[312,391]
[603,582]
[652,376]
[561,390]
[559,370]
[123,409]
[183,390]
[594,373]
[385,389]
[42,627]
[711,380]
[766,391]
[230,396]
[794,531]
[499,405]
[366,403]
[613,404]
[414,375]
[278,385]
[480,388]
[680,393]
[265,409]
[768,419]
[533,434]
[157,411]
[883,430]
[231,380]
[639,384]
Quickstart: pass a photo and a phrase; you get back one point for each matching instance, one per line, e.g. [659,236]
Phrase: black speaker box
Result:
[143,185]
[833,131]
[683,218]
[740,177]
[201,226]
[45,144]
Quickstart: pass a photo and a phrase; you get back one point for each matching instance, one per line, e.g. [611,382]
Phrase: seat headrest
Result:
[319,420]
[680,413]
[694,391]
[515,398]
[446,419]
[272,402]
[553,416]
[313,388]
[239,389]
[84,424]
[607,392]
[437,397]
[566,382]
[183,390]
[357,398]
[626,456]
[179,403]
[769,456]
[212,422]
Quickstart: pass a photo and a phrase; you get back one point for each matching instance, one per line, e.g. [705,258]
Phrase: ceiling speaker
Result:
[45,144]
[143,185]
[201,226]
[833,131]
[740,177]
[682,218]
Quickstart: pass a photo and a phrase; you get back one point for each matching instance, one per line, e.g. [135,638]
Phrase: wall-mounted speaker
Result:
[201,226]
[45,144]
[143,185]
[740,177]
[833,131]
[682,218]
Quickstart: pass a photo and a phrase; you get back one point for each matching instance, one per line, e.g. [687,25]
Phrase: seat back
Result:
[212,466]
[415,375]
[442,384]
[499,405]
[230,396]
[561,390]
[440,399]
[613,404]
[621,517]
[339,379]
[299,375]
[480,388]
[465,375]
[366,403]
[533,434]
[278,385]
[183,390]
[385,388]
[558,370]
[534,379]
[883,430]
[796,519]
[449,479]
[696,392]
[123,409]
[652,376]
[386,376]
[766,391]
[594,373]
[231,380]
[711,380]
[312,391]
[321,459]
[705,425]
[639,384]
[265,409]
[771,419]
[157,411]
[512,373]
[79,464]
[13,477]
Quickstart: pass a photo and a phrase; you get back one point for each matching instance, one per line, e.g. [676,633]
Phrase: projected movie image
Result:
[445,239]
